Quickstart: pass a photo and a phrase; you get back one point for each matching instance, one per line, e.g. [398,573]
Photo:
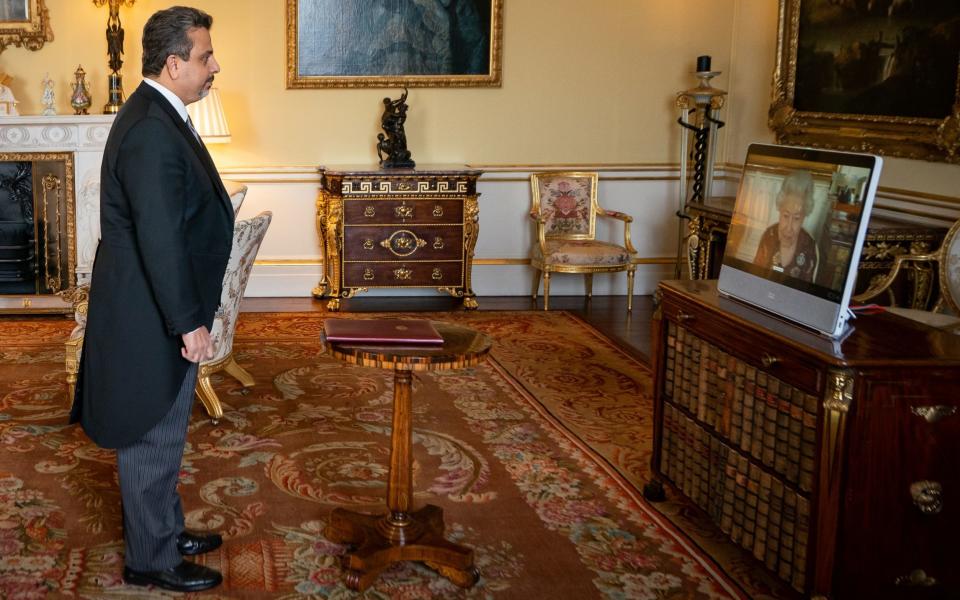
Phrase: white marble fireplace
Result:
[84,137]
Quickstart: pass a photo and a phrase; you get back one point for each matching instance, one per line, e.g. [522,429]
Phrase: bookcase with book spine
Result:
[806,452]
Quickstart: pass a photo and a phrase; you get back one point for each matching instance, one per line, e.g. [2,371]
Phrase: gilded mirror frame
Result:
[932,139]
[31,33]
[297,80]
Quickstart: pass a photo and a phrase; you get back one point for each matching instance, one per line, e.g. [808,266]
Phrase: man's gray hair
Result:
[165,34]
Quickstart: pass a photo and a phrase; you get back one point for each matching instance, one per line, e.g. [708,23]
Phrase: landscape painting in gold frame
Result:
[24,23]
[880,77]
[356,43]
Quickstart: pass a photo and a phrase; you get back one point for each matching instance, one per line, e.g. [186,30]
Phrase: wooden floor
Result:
[608,314]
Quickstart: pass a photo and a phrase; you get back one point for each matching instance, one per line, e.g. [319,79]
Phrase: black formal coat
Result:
[166,226]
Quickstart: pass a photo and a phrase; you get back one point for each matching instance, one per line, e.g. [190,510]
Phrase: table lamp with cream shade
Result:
[208,118]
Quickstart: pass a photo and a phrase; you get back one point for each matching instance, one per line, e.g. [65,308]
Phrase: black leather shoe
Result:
[191,544]
[185,577]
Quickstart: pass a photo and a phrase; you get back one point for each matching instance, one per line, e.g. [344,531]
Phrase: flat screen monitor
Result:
[798,225]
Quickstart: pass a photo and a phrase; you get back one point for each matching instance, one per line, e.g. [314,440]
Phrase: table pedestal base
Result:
[378,541]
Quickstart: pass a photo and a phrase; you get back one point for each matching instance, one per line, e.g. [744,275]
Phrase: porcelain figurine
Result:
[48,98]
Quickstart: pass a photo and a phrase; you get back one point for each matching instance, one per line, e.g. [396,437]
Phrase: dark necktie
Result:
[193,130]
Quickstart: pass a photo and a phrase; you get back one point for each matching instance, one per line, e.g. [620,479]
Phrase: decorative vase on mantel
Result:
[80,100]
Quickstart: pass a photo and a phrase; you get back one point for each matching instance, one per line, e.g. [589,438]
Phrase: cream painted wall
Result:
[586,84]
[583,82]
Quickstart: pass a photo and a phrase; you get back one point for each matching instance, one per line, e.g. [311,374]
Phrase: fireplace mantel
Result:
[82,135]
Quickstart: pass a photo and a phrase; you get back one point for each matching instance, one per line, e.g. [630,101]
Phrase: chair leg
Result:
[630,274]
[536,282]
[588,281]
[546,290]
[209,397]
[238,372]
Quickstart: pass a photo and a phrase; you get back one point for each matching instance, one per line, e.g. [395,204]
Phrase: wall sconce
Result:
[208,118]
[115,50]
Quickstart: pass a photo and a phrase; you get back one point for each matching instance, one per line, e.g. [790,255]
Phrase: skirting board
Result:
[488,280]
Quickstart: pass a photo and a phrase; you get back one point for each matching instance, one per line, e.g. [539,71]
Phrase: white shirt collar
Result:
[172,98]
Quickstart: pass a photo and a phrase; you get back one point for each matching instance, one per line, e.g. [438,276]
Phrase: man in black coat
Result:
[166,225]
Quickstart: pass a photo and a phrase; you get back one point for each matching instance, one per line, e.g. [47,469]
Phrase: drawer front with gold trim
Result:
[401,242]
[384,211]
[396,274]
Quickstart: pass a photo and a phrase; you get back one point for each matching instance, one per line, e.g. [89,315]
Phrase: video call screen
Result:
[795,222]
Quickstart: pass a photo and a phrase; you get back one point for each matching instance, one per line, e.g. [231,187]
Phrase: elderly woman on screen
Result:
[786,247]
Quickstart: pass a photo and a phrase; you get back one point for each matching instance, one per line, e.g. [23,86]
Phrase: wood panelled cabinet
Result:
[834,463]
[397,228]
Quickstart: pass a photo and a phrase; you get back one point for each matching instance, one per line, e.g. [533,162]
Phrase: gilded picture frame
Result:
[24,23]
[846,78]
[427,43]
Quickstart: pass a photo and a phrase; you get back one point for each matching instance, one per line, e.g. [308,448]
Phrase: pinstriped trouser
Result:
[148,470]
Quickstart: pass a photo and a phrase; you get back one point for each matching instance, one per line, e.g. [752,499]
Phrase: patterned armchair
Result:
[946,260]
[247,236]
[565,209]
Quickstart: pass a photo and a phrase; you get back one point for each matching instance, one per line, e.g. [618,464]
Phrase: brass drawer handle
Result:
[683,317]
[368,244]
[916,578]
[369,211]
[437,275]
[934,413]
[438,211]
[768,360]
[402,273]
[438,243]
[927,496]
[403,243]
[368,274]
[403,211]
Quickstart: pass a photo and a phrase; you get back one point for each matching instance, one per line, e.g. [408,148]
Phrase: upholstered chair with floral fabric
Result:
[565,209]
[945,263]
[247,237]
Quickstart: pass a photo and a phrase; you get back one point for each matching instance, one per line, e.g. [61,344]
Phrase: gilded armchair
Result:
[945,263]
[565,209]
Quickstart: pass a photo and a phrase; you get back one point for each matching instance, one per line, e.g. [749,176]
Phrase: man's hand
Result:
[197,345]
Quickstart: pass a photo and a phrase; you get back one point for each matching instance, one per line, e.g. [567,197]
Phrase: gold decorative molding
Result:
[490,79]
[316,262]
[907,137]
[32,33]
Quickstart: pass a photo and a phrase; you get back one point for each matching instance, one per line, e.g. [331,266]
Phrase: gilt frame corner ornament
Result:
[815,116]
[340,56]
[24,23]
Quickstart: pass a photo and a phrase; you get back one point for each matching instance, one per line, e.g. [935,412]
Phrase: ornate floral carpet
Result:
[526,454]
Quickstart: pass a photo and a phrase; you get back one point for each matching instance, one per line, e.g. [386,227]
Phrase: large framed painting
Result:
[24,23]
[877,76]
[394,43]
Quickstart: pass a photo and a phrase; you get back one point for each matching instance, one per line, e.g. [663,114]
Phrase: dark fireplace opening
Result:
[36,224]
[18,252]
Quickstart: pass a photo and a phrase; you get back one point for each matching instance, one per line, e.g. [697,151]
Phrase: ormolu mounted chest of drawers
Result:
[397,228]
[834,463]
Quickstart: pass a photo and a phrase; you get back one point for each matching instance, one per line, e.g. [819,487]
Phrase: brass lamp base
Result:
[115,94]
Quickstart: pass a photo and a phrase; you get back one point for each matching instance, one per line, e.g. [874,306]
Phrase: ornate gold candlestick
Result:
[115,96]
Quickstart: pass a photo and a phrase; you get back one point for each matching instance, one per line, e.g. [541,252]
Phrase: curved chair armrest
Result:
[613,214]
[541,230]
[887,280]
[627,219]
[79,297]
